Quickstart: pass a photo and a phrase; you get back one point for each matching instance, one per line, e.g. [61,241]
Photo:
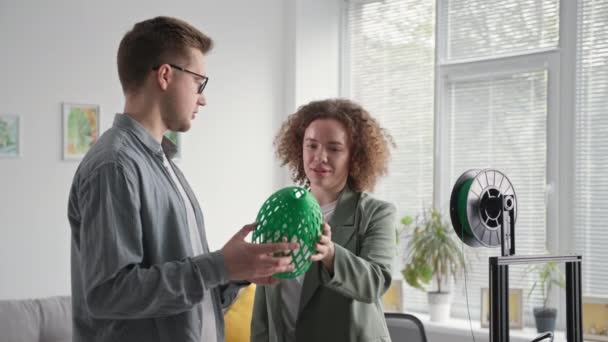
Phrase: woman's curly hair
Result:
[369,150]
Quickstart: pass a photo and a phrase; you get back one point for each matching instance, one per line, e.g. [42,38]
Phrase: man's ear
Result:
[163,76]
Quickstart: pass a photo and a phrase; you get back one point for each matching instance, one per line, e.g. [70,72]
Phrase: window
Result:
[501,99]
[391,49]
[494,94]
[500,122]
[483,29]
[392,74]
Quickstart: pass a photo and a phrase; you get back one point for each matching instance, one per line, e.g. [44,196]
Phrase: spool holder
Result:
[499,279]
[507,205]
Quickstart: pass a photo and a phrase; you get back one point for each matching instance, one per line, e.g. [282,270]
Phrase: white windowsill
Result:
[461,328]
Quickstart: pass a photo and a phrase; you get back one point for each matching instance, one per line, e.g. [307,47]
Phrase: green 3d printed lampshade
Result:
[291,214]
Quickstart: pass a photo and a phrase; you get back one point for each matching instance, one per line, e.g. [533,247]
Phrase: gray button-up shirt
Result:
[134,275]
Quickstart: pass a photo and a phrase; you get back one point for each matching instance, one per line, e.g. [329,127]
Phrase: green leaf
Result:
[411,278]
[426,273]
[407,220]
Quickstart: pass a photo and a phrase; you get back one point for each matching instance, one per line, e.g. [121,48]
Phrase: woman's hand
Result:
[325,249]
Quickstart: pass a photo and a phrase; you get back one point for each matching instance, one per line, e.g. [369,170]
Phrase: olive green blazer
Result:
[348,305]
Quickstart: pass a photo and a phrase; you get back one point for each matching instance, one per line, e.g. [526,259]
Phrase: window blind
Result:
[591,146]
[488,28]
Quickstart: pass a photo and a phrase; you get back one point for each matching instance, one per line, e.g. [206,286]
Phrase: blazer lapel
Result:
[343,217]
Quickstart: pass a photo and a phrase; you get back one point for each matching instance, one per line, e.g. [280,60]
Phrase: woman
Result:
[336,149]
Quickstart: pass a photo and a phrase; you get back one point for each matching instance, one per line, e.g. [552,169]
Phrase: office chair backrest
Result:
[405,327]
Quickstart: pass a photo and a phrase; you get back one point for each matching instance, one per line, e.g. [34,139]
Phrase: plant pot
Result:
[439,306]
[545,319]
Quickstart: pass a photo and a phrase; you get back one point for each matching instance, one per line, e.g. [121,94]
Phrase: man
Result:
[141,268]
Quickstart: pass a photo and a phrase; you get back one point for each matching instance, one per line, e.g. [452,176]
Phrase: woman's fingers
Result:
[324,240]
[322,251]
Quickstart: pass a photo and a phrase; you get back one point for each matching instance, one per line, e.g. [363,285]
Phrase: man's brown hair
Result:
[153,42]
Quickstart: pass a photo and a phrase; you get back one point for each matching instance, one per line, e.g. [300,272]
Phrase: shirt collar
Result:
[126,122]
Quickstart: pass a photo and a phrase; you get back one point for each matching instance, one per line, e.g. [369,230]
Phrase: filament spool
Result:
[476,206]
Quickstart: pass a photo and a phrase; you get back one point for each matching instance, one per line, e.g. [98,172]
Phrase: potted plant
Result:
[432,253]
[548,275]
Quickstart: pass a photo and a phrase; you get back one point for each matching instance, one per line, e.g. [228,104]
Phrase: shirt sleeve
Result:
[229,292]
[116,284]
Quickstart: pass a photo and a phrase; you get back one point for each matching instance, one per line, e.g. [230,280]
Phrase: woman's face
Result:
[326,153]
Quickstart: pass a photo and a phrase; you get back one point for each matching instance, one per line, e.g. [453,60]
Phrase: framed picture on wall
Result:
[516,308]
[175,138]
[80,129]
[10,136]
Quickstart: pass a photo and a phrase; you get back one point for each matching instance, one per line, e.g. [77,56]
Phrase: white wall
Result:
[54,51]
[317,49]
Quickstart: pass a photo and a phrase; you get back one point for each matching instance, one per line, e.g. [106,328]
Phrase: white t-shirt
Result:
[208,332]
[291,289]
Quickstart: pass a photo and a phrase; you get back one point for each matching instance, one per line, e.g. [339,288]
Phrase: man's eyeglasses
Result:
[201,86]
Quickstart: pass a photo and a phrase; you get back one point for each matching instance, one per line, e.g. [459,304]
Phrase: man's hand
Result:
[325,249]
[254,262]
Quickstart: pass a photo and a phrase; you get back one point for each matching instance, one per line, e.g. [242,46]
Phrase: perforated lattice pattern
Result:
[291,214]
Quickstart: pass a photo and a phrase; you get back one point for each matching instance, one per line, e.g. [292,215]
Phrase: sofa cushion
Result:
[238,317]
[55,319]
[36,320]
[19,321]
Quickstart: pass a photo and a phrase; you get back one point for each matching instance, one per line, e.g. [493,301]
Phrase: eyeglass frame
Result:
[201,86]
